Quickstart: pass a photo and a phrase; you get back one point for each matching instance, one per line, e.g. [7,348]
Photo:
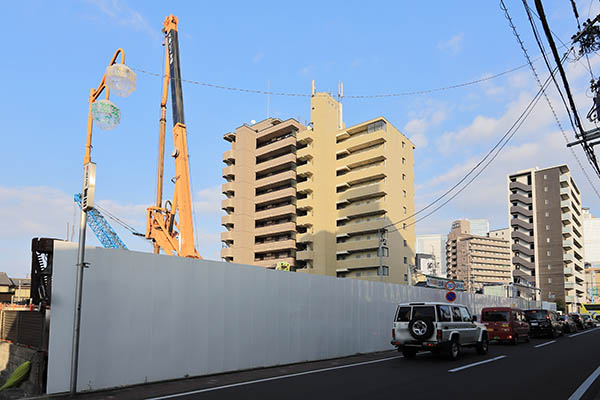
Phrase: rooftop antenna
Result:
[268,97]
[340,97]
[313,87]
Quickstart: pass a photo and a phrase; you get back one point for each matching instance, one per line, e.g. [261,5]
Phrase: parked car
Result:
[505,324]
[578,320]
[588,321]
[437,327]
[569,324]
[544,323]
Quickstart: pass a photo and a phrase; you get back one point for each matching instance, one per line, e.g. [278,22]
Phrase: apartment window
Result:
[406,277]
[358,274]
[404,193]
[547,240]
[545,188]
[547,214]
[549,266]
[405,260]
[403,160]
[403,144]
[547,227]
[548,253]
[405,243]
[404,226]
[546,201]
[403,176]
[404,209]
[545,176]
[549,280]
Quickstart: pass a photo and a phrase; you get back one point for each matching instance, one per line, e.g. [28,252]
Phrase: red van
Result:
[505,324]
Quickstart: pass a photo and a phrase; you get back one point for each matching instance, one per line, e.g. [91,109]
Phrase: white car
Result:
[437,327]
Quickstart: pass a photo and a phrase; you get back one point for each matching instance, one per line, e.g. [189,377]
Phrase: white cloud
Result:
[121,14]
[418,127]
[453,45]
[258,57]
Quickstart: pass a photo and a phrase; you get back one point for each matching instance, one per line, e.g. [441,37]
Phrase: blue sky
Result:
[58,50]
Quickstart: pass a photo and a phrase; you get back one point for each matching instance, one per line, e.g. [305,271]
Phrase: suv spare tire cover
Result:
[420,328]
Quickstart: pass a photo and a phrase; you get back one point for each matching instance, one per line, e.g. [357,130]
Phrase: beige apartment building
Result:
[546,224]
[317,196]
[477,260]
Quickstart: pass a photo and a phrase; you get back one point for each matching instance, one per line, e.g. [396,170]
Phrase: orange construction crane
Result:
[173,236]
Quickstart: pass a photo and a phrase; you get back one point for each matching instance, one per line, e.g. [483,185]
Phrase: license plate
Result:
[496,337]
[534,324]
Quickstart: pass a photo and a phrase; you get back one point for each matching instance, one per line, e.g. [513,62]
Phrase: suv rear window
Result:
[403,314]
[444,314]
[424,311]
[495,316]
[536,314]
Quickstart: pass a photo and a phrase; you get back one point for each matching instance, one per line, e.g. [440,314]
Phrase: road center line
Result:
[543,344]
[273,378]
[475,364]
[583,333]
[585,385]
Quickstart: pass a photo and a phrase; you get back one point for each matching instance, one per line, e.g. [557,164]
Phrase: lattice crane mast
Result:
[170,226]
[101,228]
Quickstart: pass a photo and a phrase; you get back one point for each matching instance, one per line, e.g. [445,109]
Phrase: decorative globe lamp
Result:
[106,114]
[120,79]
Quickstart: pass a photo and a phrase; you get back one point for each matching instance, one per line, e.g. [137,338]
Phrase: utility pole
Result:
[382,247]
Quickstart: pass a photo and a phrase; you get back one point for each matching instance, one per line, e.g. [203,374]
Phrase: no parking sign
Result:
[450,296]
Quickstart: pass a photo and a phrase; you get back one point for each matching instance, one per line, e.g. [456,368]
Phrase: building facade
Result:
[501,234]
[477,260]
[317,196]
[545,219]
[434,245]
[591,250]
[479,227]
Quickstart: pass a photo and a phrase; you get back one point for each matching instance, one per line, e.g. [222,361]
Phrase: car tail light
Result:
[548,317]
[394,334]
[439,334]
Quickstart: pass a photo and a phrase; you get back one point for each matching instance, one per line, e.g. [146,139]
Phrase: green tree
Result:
[560,305]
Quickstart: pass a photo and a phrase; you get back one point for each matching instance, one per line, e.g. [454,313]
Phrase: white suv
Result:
[436,327]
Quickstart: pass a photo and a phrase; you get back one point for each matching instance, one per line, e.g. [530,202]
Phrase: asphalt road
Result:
[542,369]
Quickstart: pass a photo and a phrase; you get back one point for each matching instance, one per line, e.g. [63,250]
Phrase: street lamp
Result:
[120,79]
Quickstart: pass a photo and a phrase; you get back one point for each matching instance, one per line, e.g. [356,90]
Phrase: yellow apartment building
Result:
[317,196]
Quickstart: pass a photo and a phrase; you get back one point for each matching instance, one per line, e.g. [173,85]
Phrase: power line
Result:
[537,78]
[398,94]
[498,146]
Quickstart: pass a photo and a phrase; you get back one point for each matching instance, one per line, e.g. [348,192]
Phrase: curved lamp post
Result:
[120,79]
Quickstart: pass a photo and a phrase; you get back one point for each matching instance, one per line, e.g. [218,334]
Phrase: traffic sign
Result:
[450,296]
[450,285]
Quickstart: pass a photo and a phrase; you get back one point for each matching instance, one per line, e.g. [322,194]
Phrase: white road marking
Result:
[475,364]
[543,344]
[171,396]
[583,333]
[585,385]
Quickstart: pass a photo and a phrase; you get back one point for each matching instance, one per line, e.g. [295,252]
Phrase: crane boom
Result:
[175,236]
[101,228]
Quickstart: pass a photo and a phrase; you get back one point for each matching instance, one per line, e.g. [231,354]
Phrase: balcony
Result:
[275,195]
[358,142]
[566,216]
[518,185]
[363,262]
[360,157]
[230,136]
[522,249]
[276,178]
[362,174]
[304,136]
[365,226]
[271,262]
[227,188]
[521,198]
[361,209]
[287,142]
[565,191]
[522,236]
[306,237]
[226,252]
[304,187]
[521,210]
[275,162]
[305,169]
[227,220]
[564,178]
[521,223]
[305,220]
[569,285]
[567,244]
[275,212]
[569,271]
[227,236]
[274,246]
[567,231]
[568,257]
[275,228]
[227,204]
[356,245]
[362,192]
[565,205]
[571,299]
[304,204]
[305,255]
[304,153]
[228,172]
[228,156]
[521,261]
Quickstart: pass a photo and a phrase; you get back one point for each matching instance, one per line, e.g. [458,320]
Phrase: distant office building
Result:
[434,245]
[316,197]
[427,264]
[503,234]
[591,250]
[547,233]
[479,227]
[478,260]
